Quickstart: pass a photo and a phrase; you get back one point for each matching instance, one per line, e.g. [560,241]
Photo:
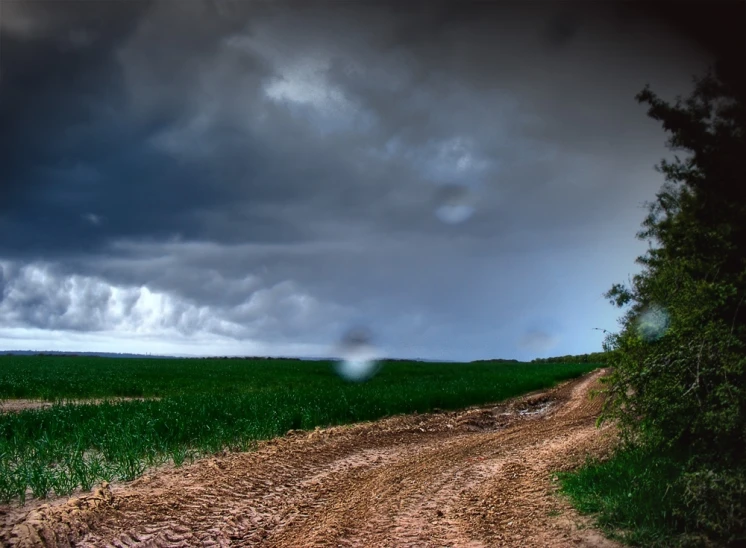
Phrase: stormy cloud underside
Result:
[254,178]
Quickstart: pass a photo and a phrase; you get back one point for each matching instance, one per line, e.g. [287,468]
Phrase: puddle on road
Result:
[536,410]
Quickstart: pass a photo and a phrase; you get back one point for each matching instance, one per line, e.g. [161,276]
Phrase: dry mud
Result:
[475,478]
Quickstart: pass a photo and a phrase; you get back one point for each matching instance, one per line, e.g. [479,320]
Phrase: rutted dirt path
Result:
[475,478]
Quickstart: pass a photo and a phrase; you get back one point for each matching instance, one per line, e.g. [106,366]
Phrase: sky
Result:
[461,180]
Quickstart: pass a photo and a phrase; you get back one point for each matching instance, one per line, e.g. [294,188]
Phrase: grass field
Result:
[206,406]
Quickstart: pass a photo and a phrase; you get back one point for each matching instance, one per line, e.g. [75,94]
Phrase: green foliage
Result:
[714,504]
[210,405]
[679,380]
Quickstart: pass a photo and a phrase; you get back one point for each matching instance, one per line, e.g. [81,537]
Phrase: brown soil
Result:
[13,406]
[475,478]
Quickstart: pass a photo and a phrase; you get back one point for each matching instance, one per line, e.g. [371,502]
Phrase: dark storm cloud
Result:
[73,150]
[49,83]
[272,170]
[136,113]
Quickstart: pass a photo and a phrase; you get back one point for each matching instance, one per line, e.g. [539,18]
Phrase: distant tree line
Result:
[593,357]
[247,358]
[496,360]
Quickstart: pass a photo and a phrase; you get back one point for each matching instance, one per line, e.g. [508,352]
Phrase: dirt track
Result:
[16,405]
[481,477]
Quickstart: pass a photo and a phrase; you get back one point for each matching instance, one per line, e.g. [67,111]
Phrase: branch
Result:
[735,314]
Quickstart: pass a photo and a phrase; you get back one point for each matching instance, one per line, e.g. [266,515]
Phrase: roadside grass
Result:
[207,406]
[634,496]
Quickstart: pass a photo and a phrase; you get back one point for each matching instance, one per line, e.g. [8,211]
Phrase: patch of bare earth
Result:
[16,405]
[475,478]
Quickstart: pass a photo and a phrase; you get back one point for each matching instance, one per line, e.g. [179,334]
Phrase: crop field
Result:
[195,407]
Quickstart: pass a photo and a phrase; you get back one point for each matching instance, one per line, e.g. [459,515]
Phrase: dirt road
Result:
[475,478]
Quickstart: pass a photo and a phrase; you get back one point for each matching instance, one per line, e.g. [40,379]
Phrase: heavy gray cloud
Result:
[270,172]
[43,297]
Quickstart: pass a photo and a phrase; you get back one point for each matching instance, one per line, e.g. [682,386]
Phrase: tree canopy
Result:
[679,380]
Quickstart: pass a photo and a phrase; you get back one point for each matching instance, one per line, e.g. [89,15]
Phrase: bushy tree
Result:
[679,380]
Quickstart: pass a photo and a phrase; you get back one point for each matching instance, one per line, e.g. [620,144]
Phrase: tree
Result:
[679,377]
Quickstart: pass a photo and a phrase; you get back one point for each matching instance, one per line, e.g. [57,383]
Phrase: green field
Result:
[208,405]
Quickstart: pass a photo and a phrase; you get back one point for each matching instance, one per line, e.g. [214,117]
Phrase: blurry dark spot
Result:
[455,203]
[2,283]
[356,337]
[561,30]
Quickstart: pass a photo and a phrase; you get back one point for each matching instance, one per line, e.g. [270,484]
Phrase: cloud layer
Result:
[264,175]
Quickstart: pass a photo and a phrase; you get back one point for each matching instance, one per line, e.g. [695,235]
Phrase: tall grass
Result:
[649,496]
[206,406]
[634,495]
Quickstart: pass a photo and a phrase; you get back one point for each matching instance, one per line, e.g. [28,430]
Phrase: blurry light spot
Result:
[455,204]
[357,356]
[92,218]
[653,323]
